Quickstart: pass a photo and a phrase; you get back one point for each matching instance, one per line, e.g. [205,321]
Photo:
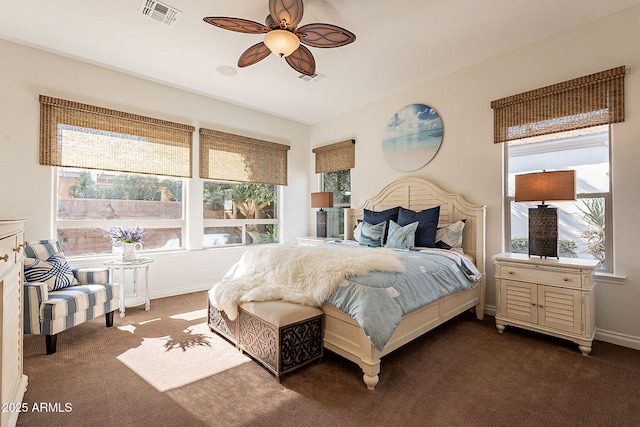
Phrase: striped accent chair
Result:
[57,297]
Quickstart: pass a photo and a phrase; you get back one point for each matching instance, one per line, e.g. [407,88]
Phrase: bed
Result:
[344,336]
[328,277]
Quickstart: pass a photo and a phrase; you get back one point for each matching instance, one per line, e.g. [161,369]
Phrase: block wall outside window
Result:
[88,201]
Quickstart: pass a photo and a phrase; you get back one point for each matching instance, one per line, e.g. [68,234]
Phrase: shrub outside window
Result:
[239,213]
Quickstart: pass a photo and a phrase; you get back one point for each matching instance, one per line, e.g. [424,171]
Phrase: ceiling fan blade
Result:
[288,12]
[237,24]
[325,35]
[255,53]
[302,61]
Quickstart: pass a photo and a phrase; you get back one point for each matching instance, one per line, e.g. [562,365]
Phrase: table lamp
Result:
[543,220]
[323,199]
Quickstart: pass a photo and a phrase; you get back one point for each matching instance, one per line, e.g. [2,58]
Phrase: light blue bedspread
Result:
[378,300]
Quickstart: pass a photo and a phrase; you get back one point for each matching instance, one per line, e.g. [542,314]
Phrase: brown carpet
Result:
[165,368]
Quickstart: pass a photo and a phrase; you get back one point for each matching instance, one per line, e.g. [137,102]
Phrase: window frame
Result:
[146,223]
[340,207]
[242,223]
[608,265]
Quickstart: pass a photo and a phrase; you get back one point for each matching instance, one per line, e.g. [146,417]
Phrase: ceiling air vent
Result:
[159,11]
[316,77]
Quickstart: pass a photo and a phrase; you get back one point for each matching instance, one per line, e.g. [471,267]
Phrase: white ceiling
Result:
[399,44]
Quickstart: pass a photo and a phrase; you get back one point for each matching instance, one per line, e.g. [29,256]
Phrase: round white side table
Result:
[134,265]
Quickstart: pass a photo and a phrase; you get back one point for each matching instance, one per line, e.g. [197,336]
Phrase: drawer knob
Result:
[5,258]
[510,271]
[19,248]
[566,279]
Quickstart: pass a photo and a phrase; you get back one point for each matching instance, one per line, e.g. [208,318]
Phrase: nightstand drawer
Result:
[537,275]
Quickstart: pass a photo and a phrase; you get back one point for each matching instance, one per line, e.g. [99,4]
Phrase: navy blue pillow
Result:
[427,227]
[373,217]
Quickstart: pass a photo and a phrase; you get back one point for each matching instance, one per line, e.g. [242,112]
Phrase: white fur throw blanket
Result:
[302,274]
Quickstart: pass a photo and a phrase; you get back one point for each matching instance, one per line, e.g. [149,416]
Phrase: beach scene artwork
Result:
[412,137]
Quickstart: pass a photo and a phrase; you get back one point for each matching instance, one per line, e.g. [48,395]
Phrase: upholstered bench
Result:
[280,335]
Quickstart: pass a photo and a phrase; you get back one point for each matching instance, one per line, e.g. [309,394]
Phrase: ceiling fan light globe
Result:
[281,42]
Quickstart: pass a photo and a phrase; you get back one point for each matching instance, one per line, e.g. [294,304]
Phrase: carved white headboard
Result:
[418,194]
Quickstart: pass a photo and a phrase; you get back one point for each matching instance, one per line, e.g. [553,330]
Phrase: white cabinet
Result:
[14,382]
[554,296]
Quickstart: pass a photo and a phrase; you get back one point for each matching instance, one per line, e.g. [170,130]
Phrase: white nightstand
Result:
[551,296]
[315,241]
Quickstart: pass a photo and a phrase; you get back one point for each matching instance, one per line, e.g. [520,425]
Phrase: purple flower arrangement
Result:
[125,234]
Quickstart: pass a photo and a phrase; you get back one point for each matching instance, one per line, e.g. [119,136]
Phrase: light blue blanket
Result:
[378,300]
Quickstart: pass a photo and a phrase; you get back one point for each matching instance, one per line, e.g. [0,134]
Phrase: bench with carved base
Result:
[280,335]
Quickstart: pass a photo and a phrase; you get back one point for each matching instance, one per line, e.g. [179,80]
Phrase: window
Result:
[240,213]
[564,126]
[584,229]
[334,163]
[241,176]
[114,168]
[89,200]
[338,182]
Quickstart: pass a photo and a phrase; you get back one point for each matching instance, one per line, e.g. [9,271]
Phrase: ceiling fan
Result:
[283,37]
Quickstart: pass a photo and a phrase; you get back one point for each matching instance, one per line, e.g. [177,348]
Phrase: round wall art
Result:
[412,137]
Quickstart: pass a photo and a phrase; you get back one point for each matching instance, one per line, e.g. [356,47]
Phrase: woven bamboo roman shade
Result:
[592,100]
[89,137]
[335,157]
[229,157]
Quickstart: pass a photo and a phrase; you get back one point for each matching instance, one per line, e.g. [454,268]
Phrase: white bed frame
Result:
[344,336]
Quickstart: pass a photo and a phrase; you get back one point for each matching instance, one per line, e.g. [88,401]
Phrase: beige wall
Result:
[469,163]
[27,73]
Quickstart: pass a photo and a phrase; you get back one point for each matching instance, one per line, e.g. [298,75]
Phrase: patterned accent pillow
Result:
[376,217]
[371,235]
[55,272]
[357,231]
[401,237]
[450,236]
